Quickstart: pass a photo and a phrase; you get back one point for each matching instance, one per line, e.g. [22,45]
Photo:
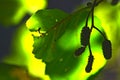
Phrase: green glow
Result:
[17,55]
[19,15]
[99,61]
[23,41]
[35,66]
[33,5]
[33,23]
[109,17]
[65,38]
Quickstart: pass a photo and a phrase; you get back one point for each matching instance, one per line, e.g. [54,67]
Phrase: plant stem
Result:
[92,10]
[100,32]
[93,18]
[87,18]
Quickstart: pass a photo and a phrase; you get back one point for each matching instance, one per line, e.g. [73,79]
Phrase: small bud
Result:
[89,4]
[107,49]
[85,35]
[79,51]
[89,65]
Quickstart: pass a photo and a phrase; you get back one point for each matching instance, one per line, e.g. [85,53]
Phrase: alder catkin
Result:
[79,51]
[89,65]
[85,35]
[107,49]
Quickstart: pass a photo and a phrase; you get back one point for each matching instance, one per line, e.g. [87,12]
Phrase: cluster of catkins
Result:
[85,37]
[85,41]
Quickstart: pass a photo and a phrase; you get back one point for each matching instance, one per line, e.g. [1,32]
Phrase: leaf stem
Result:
[87,19]
[92,10]
[100,32]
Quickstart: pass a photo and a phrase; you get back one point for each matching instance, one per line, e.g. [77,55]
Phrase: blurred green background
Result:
[16,59]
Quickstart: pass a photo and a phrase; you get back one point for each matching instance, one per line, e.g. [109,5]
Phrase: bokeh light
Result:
[23,56]
[33,5]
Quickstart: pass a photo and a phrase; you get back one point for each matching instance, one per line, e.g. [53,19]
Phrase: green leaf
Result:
[57,47]
[45,19]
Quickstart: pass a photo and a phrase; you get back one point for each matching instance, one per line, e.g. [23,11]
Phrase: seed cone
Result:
[79,51]
[85,35]
[89,65]
[107,49]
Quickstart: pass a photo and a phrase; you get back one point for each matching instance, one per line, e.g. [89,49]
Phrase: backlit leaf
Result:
[57,48]
[62,37]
